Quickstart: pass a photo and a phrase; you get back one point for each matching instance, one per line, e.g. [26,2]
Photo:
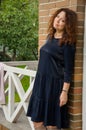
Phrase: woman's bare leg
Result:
[37,124]
[40,126]
[52,128]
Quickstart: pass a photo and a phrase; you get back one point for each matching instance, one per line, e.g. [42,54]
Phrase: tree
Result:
[19,28]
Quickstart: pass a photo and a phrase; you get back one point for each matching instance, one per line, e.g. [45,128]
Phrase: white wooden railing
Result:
[12,81]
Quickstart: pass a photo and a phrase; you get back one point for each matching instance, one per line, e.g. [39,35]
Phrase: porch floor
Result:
[21,124]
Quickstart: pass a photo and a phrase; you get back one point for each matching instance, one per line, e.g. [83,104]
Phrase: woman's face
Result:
[59,21]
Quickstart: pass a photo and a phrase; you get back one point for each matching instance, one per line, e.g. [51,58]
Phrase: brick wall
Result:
[46,8]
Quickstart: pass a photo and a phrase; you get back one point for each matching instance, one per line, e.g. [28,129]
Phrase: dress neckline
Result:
[57,38]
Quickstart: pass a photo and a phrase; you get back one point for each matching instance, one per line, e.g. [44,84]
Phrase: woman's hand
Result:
[63,98]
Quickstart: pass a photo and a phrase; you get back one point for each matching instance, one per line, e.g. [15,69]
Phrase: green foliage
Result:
[19,28]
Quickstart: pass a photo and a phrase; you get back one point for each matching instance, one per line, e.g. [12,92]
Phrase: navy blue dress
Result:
[54,68]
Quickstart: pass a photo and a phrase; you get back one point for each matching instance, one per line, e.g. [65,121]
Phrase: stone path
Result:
[21,124]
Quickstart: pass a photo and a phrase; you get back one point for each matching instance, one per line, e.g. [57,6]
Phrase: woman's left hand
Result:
[63,98]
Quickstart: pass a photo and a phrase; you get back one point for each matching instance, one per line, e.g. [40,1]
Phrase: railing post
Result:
[11,96]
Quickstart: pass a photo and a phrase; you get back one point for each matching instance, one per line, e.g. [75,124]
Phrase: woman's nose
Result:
[58,19]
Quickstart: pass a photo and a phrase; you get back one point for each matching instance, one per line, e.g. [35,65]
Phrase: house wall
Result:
[46,9]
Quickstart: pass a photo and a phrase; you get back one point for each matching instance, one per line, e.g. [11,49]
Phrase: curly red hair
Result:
[69,35]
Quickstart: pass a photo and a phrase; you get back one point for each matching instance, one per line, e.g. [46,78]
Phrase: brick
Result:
[75,103]
[52,10]
[73,2]
[56,4]
[41,25]
[81,16]
[80,8]
[75,96]
[76,117]
[81,2]
[56,0]
[43,1]
[75,124]
[44,19]
[79,50]
[73,7]
[80,23]
[42,31]
[62,3]
[78,63]
[78,70]
[77,90]
[76,84]
[80,37]
[44,13]
[41,42]
[78,77]
[80,43]
[80,30]
[78,56]
[79,128]
[76,110]
[47,6]
[42,37]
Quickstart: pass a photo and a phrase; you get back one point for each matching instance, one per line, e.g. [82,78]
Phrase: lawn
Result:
[25,83]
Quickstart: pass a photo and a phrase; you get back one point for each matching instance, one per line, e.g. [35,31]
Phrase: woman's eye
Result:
[63,21]
[57,16]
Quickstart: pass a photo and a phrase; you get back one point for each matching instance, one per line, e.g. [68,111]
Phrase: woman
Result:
[48,103]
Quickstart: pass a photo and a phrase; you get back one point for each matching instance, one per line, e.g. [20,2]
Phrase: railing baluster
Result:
[11,102]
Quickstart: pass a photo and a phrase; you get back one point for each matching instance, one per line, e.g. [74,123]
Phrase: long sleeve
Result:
[69,53]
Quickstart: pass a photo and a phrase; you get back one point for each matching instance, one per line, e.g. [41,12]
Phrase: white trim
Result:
[84,80]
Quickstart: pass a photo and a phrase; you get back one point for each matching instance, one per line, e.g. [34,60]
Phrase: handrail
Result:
[31,64]
[19,70]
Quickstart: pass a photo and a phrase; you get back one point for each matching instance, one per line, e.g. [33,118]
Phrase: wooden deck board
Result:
[2,127]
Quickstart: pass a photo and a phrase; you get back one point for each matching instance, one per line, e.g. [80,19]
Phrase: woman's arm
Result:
[69,53]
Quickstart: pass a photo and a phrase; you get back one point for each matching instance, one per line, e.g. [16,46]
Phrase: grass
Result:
[25,84]
[25,81]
